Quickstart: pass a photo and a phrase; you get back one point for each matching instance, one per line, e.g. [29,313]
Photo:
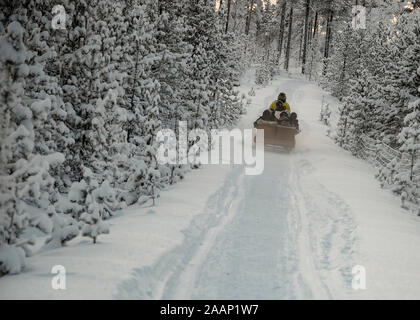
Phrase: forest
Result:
[86,85]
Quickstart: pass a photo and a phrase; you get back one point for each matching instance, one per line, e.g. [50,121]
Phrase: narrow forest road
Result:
[278,235]
[294,232]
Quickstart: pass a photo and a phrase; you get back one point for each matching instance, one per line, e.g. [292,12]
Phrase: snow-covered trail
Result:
[257,255]
[248,259]
[263,237]
[293,232]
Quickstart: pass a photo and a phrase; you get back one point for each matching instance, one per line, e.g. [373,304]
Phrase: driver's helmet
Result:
[282,97]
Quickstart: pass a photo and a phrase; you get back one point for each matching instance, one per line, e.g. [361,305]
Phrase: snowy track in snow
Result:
[279,235]
[325,239]
[160,280]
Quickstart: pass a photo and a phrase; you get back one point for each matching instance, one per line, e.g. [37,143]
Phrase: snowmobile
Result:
[280,128]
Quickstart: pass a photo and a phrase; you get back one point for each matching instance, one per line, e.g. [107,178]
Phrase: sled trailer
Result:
[277,135]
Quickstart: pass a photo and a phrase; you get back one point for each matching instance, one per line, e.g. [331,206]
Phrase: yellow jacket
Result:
[285,104]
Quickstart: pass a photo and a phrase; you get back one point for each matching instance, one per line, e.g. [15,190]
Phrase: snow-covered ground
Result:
[295,231]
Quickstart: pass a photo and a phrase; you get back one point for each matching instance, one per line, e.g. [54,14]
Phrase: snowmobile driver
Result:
[281,110]
[280,104]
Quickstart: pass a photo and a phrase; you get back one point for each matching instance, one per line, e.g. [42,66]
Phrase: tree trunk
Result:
[235,16]
[248,19]
[302,34]
[310,31]
[154,197]
[327,35]
[344,68]
[305,39]
[315,25]
[281,33]
[289,40]
[413,158]
[328,39]
[228,15]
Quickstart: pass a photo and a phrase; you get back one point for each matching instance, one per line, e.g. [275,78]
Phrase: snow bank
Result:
[12,259]
[139,237]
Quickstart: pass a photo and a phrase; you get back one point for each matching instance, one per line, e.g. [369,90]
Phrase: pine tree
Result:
[409,138]
[64,228]
[171,71]
[25,179]
[93,226]
[314,58]
[111,155]
[400,81]
[342,64]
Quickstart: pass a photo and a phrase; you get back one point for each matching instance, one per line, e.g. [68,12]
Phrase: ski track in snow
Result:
[279,235]
[157,281]
[325,236]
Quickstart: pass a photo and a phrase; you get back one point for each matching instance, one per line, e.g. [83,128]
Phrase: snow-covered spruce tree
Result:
[75,81]
[116,121]
[200,98]
[213,72]
[152,124]
[93,226]
[24,175]
[341,137]
[359,114]
[89,205]
[342,63]
[227,106]
[263,74]
[64,228]
[400,79]
[110,155]
[377,57]
[95,66]
[91,71]
[134,43]
[387,174]
[95,209]
[200,18]
[142,89]
[408,181]
[314,59]
[363,99]
[113,156]
[356,113]
[89,190]
[86,78]
[51,134]
[266,30]
[171,71]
